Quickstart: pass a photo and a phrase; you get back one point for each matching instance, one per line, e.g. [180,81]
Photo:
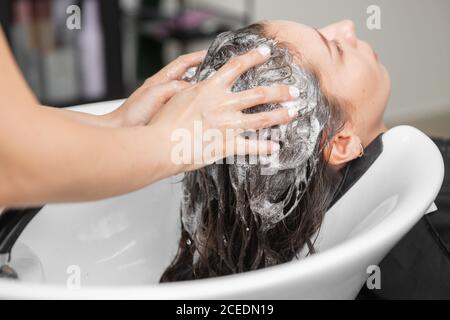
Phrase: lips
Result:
[375,55]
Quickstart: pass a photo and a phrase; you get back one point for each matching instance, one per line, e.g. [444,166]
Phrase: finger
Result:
[177,68]
[263,95]
[267,119]
[159,95]
[236,66]
[255,146]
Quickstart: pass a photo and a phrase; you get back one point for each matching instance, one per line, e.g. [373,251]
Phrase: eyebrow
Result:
[325,41]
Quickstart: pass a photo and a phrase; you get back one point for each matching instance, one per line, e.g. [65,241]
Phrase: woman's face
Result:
[348,68]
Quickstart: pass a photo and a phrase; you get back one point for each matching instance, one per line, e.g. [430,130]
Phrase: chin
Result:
[386,79]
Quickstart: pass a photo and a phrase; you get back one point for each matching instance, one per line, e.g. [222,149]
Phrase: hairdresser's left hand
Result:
[145,102]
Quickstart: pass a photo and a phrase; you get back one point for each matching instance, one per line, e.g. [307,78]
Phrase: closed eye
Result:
[338,47]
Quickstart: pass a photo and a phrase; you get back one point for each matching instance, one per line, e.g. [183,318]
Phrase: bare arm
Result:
[45,156]
[51,159]
[109,120]
[48,156]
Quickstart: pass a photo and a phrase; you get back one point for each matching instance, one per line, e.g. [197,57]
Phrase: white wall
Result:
[413,43]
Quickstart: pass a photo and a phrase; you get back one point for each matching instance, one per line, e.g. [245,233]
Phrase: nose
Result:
[348,33]
[343,30]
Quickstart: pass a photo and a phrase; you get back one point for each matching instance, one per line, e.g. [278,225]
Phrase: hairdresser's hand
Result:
[212,106]
[145,102]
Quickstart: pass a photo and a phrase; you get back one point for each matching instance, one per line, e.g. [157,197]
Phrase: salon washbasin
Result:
[118,248]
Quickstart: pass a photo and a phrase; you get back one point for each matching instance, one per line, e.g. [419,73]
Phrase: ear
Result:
[343,147]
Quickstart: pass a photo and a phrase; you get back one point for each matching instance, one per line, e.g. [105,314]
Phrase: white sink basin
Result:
[118,248]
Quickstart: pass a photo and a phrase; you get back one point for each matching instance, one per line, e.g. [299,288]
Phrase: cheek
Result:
[362,86]
[370,92]
[363,83]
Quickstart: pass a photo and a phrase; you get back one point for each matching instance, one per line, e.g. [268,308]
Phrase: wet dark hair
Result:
[234,219]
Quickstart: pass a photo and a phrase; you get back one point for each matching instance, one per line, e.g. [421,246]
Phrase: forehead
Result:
[307,48]
[284,26]
[293,33]
[302,41]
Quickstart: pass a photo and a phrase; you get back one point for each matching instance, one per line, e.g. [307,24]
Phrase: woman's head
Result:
[349,72]
[236,217]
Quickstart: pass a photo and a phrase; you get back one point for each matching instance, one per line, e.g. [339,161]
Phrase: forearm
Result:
[51,155]
[53,159]
[109,120]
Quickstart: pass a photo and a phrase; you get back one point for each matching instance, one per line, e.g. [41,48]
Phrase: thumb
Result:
[157,96]
[164,92]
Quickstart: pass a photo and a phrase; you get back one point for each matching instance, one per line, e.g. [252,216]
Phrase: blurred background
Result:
[122,42]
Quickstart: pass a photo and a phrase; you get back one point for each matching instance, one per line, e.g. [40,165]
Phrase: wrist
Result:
[113,119]
[167,164]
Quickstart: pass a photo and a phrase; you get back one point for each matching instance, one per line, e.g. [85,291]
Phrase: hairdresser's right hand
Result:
[212,105]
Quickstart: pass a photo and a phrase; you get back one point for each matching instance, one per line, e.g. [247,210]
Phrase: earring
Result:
[362,151]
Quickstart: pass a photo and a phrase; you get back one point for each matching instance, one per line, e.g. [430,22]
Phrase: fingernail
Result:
[292,113]
[264,50]
[294,92]
[275,147]
[263,160]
